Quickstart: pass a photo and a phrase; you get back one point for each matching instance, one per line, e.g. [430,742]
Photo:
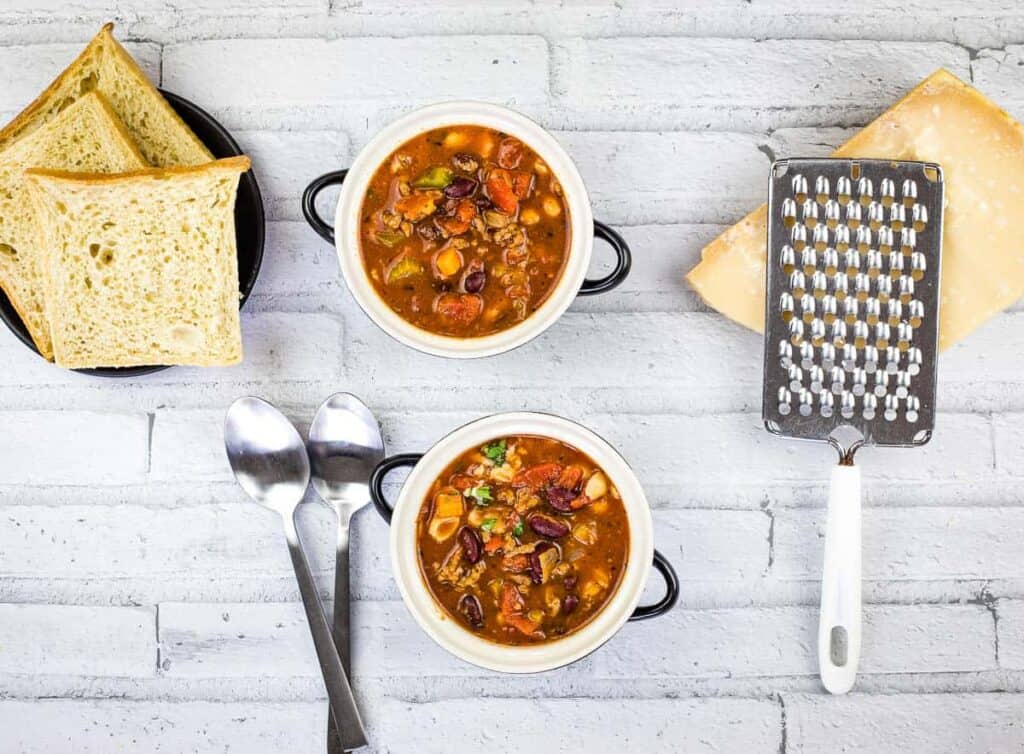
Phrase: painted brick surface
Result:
[147,606]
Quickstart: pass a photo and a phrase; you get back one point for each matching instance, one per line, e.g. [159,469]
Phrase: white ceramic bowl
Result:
[460,641]
[346,229]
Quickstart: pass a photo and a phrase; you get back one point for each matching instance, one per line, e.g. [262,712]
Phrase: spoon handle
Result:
[342,635]
[339,692]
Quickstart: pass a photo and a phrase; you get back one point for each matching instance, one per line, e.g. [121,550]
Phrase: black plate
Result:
[249,228]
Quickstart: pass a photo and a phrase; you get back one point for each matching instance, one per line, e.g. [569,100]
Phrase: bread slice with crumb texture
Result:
[142,267]
[104,65]
[86,137]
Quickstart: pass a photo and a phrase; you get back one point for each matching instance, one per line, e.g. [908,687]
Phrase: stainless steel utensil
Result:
[269,461]
[345,444]
[851,334]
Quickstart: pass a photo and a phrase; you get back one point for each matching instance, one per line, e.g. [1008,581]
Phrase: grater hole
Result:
[908,241]
[870,407]
[826,405]
[844,189]
[913,409]
[888,191]
[806,355]
[796,378]
[806,402]
[909,192]
[885,239]
[821,189]
[810,209]
[785,399]
[817,377]
[919,217]
[788,212]
[897,216]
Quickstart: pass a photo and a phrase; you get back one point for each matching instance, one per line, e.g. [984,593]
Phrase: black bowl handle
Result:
[384,468]
[317,223]
[623,261]
[667,602]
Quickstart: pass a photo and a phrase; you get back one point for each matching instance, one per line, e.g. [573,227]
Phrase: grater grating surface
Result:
[851,327]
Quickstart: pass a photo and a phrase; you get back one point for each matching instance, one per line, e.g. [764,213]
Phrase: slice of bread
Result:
[162,137]
[142,267]
[86,137]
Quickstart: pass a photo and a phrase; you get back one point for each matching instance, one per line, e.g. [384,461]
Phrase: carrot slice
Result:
[516,563]
[537,476]
[499,190]
[462,307]
[525,626]
[511,599]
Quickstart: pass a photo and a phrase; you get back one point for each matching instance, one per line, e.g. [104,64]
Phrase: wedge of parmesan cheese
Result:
[981,151]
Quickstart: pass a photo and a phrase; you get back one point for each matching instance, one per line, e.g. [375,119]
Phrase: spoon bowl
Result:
[345,444]
[266,454]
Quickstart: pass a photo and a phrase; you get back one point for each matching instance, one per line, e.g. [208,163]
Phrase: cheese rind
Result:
[981,151]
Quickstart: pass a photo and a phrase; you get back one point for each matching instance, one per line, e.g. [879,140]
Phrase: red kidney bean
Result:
[560,498]
[475,281]
[472,546]
[548,527]
[569,603]
[470,607]
[460,188]
[569,581]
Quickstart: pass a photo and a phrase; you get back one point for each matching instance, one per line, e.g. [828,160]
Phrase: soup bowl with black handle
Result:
[624,603]
[583,229]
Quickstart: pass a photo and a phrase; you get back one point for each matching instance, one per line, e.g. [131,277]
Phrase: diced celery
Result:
[437,177]
[389,238]
[404,268]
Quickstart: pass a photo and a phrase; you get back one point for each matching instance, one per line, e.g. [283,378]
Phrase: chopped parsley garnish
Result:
[488,524]
[481,494]
[518,529]
[496,452]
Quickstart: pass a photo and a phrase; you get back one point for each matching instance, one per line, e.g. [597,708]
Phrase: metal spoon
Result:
[269,461]
[345,444]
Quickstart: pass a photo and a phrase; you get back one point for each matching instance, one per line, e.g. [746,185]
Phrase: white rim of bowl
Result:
[353,190]
[461,642]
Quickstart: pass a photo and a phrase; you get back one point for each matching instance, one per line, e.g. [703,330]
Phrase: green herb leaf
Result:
[517,530]
[488,524]
[481,494]
[496,452]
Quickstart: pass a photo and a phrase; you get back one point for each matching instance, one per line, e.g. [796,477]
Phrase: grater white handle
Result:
[840,617]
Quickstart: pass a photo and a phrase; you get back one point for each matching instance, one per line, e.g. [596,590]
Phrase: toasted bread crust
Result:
[238,164]
[29,115]
[36,114]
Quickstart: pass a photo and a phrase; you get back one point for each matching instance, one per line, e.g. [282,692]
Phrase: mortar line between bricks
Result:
[157,631]
[133,690]
[783,742]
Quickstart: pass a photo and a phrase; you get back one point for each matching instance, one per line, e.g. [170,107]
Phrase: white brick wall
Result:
[146,605]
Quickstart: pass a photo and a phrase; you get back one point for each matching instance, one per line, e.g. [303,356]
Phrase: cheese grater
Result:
[851,340]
